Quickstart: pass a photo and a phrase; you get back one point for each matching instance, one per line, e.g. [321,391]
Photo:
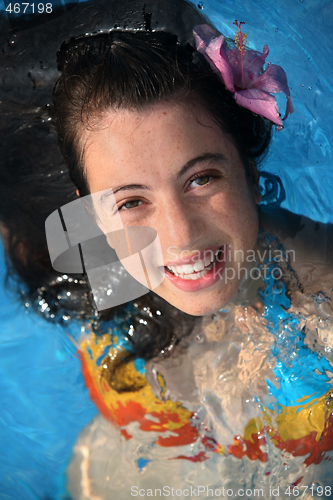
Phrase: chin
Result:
[200,305]
[202,309]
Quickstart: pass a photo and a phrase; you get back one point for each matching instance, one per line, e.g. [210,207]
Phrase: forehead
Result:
[161,138]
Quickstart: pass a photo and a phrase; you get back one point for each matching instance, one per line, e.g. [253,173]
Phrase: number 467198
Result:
[300,491]
[29,8]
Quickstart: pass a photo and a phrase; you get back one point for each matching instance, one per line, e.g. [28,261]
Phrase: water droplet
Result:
[310,88]
[201,6]
[276,29]
[199,339]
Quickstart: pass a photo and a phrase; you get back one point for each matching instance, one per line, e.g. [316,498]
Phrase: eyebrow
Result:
[190,164]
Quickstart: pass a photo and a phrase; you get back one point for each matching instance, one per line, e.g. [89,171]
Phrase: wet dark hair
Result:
[133,70]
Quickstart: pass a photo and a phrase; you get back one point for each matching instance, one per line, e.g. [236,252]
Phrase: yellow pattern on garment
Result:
[296,422]
[124,395]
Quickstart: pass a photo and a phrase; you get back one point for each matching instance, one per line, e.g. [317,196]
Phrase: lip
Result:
[193,258]
[206,281]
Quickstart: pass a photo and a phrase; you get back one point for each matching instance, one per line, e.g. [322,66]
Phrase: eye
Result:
[128,205]
[202,180]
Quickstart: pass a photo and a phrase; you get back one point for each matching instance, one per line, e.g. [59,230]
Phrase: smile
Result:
[201,274]
[199,269]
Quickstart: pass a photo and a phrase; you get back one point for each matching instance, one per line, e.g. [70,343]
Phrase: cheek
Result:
[234,211]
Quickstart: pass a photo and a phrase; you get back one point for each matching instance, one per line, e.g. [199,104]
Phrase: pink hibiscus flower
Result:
[241,72]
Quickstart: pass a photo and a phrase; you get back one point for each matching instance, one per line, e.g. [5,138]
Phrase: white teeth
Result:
[199,265]
[208,260]
[193,272]
[187,269]
[195,276]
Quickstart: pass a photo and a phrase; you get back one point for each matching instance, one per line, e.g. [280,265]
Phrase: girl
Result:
[162,125]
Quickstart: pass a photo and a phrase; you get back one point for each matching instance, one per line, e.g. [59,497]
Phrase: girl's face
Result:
[172,168]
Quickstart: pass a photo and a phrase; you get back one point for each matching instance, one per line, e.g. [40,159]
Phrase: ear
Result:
[254,181]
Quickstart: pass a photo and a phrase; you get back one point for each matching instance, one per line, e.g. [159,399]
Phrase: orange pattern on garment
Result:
[306,429]
[169,419]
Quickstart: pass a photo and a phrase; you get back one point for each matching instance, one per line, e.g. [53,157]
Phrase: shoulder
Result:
[310,243]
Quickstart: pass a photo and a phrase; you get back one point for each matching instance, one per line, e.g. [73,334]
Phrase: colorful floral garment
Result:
[247,398]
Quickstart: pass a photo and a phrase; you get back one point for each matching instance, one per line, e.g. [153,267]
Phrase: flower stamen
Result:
[240,41]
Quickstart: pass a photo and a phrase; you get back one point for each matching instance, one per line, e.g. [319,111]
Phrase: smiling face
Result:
[174,170]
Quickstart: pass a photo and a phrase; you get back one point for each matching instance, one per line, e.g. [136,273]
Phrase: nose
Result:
[179,225]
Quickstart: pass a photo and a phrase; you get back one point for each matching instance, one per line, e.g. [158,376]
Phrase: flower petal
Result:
[203,35]
[274,79]
[210,43]
[260,102]
[290,108]
[253,62]
[234,59]
[218,54]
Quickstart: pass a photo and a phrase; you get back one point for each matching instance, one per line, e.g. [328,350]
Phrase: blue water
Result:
[44,404]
